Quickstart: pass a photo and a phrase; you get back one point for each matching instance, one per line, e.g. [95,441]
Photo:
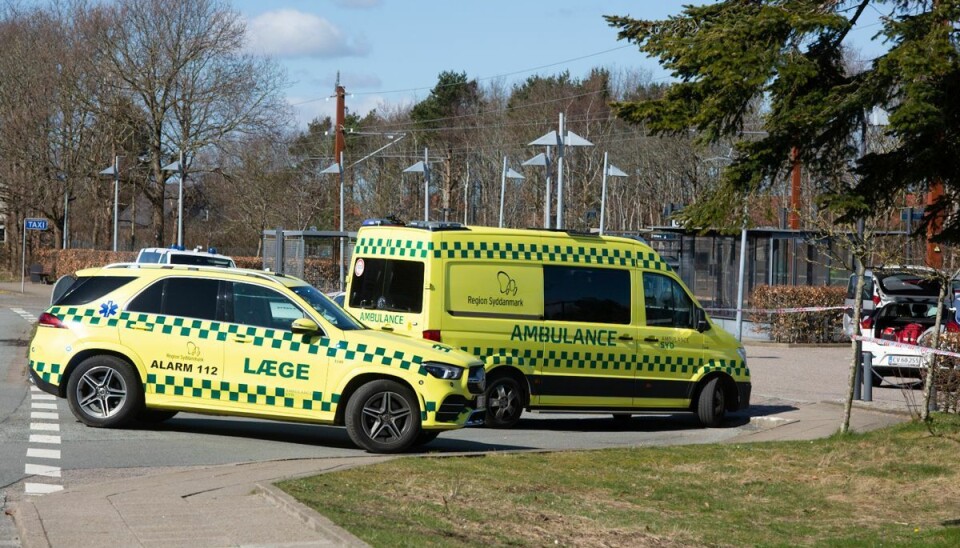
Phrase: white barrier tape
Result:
[895,344]
[778,310]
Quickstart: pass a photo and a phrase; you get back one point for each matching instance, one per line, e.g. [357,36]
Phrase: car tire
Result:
[155,416]
[504,402]
[383,416]
[876,380]
[104,392]
[711,406]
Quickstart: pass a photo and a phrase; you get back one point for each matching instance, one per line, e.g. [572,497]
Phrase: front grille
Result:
[477,380]
[451,408]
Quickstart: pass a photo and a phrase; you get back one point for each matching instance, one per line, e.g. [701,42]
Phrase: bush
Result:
[800,327]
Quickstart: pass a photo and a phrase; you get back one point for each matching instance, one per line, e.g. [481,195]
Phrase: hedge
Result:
[802,327]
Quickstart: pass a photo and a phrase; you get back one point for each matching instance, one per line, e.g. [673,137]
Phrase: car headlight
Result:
[742,352]
[443,370]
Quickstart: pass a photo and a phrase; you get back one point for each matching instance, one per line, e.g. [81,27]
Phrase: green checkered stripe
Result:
[734,368]
[238,392]
[562,359]
[89,316]
[49,372]
[658,363]
[389,247]
[500,356]
[509,251]
[261,337]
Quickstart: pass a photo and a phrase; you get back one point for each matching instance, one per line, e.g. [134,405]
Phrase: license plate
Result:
[905,360]
[481,402]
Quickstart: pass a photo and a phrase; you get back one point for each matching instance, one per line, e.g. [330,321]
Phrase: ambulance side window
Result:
[388,284]
[262,307]
[576,294]
[666,303]
[187,297]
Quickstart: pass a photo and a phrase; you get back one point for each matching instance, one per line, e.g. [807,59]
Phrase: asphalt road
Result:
[43,448]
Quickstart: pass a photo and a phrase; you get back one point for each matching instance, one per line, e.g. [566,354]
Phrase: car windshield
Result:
[327,308]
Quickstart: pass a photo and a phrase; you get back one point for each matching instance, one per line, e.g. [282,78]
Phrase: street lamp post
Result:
[612,171]
[504,175]
[337,167]
[423,166]
[561,139]
[179,168]
[543,159]
[114,171]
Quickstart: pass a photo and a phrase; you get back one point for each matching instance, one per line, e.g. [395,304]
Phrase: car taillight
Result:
[953,327]
[432,335]
[876,300]
[867,323]
[49,320]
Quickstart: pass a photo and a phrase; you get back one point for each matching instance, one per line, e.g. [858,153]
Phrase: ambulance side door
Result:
[669,347]
[271,370]
[589,339]
[172,325]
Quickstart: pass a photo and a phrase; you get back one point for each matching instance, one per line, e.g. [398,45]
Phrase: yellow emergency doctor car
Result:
[142,342]
[563,321]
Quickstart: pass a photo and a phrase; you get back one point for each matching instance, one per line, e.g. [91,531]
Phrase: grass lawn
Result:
[893,487]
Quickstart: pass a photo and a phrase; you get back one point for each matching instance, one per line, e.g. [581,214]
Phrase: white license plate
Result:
[905,360]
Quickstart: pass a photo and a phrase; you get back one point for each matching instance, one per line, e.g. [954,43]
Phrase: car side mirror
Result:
[305,326]
[700,318]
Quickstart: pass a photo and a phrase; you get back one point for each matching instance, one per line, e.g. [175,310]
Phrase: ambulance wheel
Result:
[383,417]
[155,416]
[104,391]
[504,402]
[712,404]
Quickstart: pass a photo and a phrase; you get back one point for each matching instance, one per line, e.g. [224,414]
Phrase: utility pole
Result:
[339,144]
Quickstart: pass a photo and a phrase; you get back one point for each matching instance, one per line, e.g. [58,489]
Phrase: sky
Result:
[389,53]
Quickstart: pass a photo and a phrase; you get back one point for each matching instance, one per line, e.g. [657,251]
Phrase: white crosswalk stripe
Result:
[43,408]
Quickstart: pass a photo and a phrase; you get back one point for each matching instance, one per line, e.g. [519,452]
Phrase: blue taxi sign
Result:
[35,224]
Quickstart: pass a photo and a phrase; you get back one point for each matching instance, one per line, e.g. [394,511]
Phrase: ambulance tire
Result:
[383,416]
[155,416]
[712,404]
[504,402]
[104,391]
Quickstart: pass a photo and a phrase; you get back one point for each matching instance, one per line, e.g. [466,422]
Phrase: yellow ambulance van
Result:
[563,321]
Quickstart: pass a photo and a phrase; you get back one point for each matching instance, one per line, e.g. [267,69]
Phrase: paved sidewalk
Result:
[233,505]
[236,505]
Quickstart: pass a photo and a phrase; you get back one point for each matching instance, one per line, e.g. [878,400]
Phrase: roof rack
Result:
[202,268]
[566,231]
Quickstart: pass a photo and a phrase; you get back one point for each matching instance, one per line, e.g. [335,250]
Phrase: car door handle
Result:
[625,338]
[240,339]
[386,328]
[651,339]
[140,326]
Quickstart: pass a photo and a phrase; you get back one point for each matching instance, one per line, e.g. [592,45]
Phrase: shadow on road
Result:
[300,434]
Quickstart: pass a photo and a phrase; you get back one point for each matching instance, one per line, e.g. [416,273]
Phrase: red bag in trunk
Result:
[910,333]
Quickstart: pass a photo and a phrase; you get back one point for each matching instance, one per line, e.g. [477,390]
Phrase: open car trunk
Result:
[905,322]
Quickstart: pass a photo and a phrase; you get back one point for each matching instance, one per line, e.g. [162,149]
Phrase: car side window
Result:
[666,303]
[187,297]
[263,307]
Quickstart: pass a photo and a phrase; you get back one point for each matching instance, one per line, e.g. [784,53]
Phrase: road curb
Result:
[29,525]
[306,515]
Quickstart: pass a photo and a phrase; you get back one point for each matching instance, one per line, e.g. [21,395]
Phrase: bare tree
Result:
[182,62]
